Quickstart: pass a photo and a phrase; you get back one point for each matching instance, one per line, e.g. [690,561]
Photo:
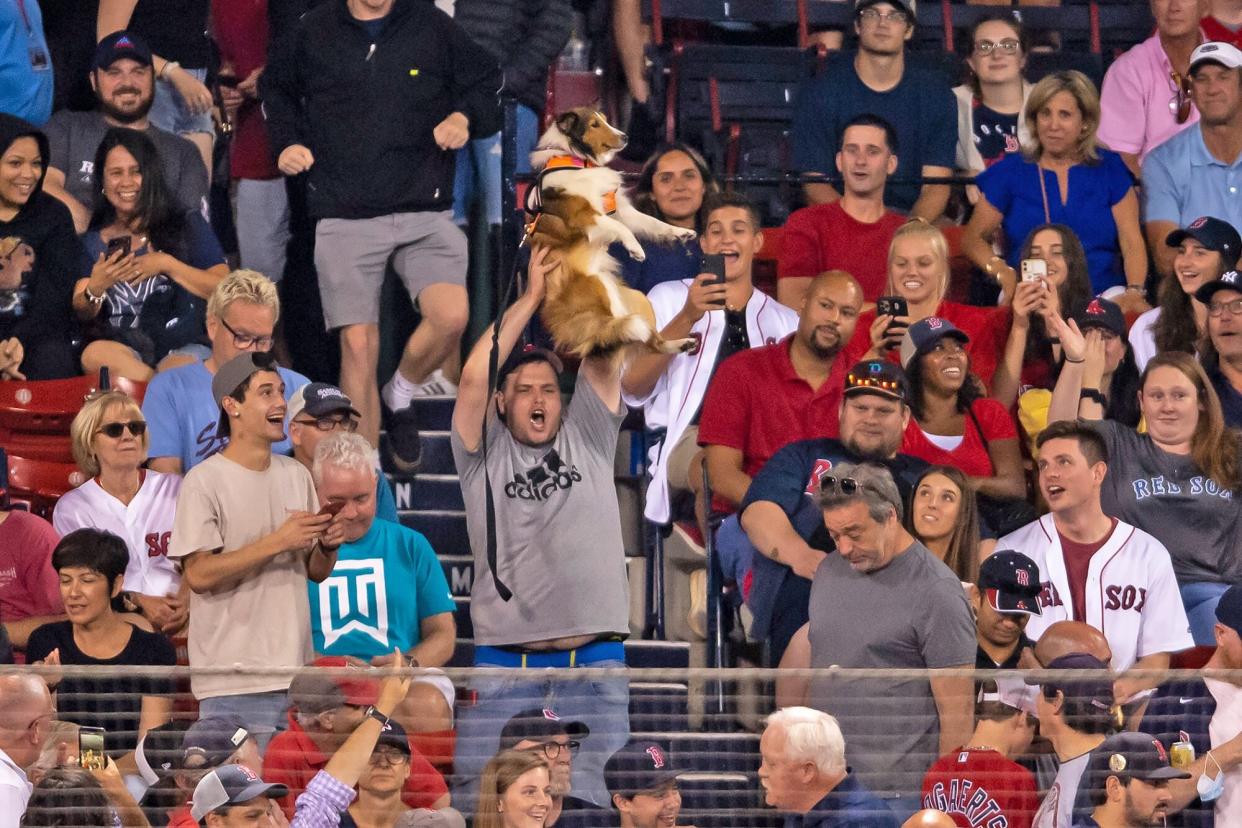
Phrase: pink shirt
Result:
[29,587]
[1134,102]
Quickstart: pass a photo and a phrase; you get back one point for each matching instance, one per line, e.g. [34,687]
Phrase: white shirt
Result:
[1227,723]
[1143,337]
[15,791]
[1057,809]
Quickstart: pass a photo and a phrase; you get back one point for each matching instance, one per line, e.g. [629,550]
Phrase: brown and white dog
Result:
[582,209]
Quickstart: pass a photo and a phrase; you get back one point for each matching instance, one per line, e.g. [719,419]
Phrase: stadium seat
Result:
[39,483]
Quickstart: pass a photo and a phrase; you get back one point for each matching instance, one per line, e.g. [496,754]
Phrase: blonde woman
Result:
[109,439]
[1062,176]
[918,272]
[515,791]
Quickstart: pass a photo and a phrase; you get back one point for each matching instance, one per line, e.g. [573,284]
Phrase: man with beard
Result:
[781,515]
[124,83]
[1127,780]
[543,733]
[765,398]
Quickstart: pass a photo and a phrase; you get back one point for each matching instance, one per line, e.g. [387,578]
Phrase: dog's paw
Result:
[677,346]
[685,234]
[636,252]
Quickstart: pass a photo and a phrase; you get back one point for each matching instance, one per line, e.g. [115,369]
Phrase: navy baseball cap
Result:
[319,399]
[638,767]
[906,6]
[1101,313]
[1010,582]
[1229,610]
[539,725]
[393,735]
[1130,755]
[214,739]
[923,335]
[119,45]
[230,785]
[1229,280]
[877,376]
[1097,691]
[1213,234]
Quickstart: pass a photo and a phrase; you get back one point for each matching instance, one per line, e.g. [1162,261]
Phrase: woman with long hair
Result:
[1181,481]
[944,516]
[1207,248]
[153,265]
[1062,176]
[515,791]
[1030,354]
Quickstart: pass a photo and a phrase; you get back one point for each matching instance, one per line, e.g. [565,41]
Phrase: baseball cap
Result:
[1229,610]
[905,5]
[923,335]
[1130,755]
[427,818]
[1009,690]
[877,376]
[528,353]
[1101,313]
[537,725]
[215,739]
[637,767]
[119,45]
[230,785]
[232,374]
[1098,692]
[315,691]
[159,751]
[1213,234]
[1229,280]
[1010,582]
[1214,51]
[319,399]
[393,735]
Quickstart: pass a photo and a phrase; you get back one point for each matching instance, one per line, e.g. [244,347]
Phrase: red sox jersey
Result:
[981,788]
[1131,593]
[145,525]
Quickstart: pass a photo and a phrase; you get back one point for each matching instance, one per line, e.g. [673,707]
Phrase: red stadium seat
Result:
[40,483]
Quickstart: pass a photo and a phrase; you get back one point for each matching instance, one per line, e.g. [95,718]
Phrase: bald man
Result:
[1066,637]
[929,818]
[25,715]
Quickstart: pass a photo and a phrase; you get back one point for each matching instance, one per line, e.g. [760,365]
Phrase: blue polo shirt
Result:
[848,804]
[1182,181]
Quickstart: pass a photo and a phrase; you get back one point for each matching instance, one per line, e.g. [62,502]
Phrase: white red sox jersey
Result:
[145,525]
[1057,809]
[981,788]
[1131,593]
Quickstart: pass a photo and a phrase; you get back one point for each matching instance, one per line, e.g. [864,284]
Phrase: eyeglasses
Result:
[1217,309]
[1179,105]
[553,749]
[246,341]
[847,486]
[875,15]
[1008,46]
[115,430]
[390,758]
[348,424]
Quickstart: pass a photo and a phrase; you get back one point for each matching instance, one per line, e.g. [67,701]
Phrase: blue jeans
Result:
[264,714]
[169,112]
[602,705]
[478,167]
[1200,601]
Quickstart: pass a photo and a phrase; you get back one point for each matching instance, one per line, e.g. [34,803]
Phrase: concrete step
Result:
[424,491]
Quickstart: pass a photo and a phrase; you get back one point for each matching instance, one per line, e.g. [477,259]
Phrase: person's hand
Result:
[276,814]
[300,530]
[1093,367]
[156,609]
[393,660]
[334,535]
[1133,301]
[1073,343]
[109,776]
[12,352]
[249,86]
[110,270]
[193,91]
[805,561]
[542,263]
[149,265]
[704,296]
[1030,298]
[231,99]
[53,677]
[886,332]
[295,159]
[394,688]
[1007,278]
[453,132]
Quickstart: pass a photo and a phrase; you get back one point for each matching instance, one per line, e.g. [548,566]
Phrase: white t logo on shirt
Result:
[354,597]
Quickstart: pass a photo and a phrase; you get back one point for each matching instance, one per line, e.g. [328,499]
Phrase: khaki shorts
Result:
[677,468]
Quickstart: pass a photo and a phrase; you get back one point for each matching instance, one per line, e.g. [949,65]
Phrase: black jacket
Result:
[526,36]
[366,108]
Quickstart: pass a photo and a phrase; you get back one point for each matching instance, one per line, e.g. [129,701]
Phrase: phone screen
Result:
[91,748]
[122,243]
[332,508]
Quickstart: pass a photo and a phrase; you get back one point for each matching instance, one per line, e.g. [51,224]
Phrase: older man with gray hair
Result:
[26,715]
[885,601]
[803,771]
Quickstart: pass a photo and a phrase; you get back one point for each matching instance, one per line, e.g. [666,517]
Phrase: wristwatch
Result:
[378,716]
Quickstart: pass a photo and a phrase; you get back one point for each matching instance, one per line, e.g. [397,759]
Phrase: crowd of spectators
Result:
[1052,474]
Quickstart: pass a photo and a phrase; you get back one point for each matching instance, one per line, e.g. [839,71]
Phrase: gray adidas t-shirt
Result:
[558,529]
[1168,496]
[912,613]
[74,137]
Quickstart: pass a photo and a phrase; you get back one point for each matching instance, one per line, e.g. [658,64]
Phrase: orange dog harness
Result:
[562,162]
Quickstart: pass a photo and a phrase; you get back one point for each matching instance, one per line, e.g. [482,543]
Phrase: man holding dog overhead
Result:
[558,546]
[409,79]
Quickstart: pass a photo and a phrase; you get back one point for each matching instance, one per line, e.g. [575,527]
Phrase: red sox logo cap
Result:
[657,756]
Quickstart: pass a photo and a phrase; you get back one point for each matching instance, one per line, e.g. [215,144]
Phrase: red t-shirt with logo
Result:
[981,788]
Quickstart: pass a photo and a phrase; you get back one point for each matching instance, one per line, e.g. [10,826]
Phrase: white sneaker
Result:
[436,385]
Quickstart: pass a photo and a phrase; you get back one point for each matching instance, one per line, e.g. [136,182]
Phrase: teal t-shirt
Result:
[384,584]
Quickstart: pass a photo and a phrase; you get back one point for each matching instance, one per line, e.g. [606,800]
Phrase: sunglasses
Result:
[115,430]
[847,486]
[1180,103]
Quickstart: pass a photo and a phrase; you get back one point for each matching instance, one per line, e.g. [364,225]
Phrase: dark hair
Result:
[718,201]
[68,798]
[962,556]
[93,549]
[1074,292]
[870,120]
[161,216]
[1176,328]
[1009,19]
[970,391]
[1084,715]
[1090,443]
[645,201]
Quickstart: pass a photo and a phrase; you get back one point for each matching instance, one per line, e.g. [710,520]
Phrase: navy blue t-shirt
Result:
[848,805]
[1230,399]
[921,109]
[995,133]
[664,263]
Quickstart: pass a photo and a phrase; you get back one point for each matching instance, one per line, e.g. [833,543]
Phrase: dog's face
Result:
[590,135]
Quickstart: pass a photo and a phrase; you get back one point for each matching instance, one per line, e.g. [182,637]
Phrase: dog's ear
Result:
[568,122]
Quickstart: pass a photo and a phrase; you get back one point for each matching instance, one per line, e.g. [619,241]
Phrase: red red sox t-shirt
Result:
[980,788]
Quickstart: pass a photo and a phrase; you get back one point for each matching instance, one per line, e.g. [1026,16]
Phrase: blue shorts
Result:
[169,112]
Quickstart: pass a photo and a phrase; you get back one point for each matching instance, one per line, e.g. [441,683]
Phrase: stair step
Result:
[658,654]
[716,752]
[422,491]
[659,706]
[434,413]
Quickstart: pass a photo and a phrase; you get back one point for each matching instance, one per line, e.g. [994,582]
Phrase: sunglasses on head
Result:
[845,485]
[115,430]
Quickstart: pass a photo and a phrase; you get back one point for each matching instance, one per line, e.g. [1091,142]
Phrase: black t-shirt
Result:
[113,703]
[735,338]
[983,661]
[175,29]
[995,133]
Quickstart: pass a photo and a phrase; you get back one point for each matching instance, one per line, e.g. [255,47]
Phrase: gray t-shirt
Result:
[558,529]
[912,613]
[1168,496]
[74,137]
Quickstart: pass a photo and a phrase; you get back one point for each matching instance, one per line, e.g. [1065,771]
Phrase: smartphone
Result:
[1034,269]
[230,81]
[332,508]
[891,306]
[122,243]
[714,264]
[91,748]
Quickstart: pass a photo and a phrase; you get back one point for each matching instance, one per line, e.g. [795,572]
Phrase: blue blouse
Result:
[1012,186]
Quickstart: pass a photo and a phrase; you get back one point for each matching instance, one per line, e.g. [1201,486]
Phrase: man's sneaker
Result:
[405,445]
[436,385]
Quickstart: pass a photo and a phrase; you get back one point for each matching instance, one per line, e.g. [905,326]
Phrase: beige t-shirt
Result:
[263,621]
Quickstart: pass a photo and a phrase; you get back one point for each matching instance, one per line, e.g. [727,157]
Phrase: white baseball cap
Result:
[1215,51]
